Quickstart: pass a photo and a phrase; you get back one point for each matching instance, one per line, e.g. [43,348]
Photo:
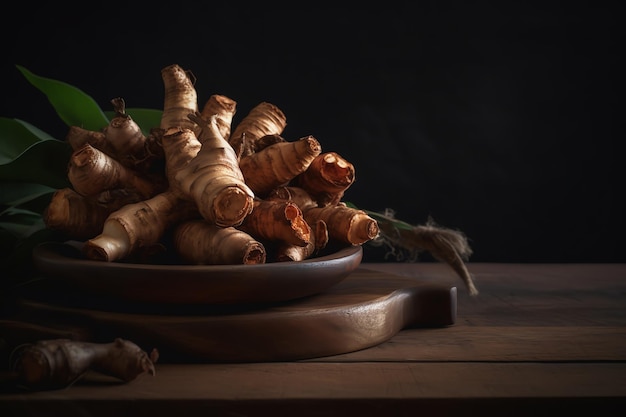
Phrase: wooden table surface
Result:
[540,339]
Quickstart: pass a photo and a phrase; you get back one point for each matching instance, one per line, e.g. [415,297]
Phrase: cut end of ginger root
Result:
[111,245]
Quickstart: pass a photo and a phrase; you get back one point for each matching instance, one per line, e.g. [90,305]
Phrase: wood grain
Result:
[539,340]
[399,389]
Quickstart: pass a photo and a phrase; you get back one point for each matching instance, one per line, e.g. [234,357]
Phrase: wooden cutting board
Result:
[364,310]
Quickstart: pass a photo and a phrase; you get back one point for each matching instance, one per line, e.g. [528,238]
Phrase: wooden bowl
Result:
[195,284]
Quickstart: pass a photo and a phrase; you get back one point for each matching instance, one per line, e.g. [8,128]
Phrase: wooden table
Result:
[540,339]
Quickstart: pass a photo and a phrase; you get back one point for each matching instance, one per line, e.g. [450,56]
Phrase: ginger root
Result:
[81,217]
[277,164]
[137,225]
[223,108]
[181,99]
[345,224]
[327,179]
[277,221]
[263,120]
[58,363]
[214,180]
[201,243]
[92,171]
[318,241]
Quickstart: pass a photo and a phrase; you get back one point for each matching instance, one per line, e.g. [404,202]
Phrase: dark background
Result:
[497,120]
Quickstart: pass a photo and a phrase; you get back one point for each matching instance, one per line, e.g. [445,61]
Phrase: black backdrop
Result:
[498,120]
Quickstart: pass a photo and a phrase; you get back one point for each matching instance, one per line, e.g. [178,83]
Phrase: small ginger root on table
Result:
[58,363]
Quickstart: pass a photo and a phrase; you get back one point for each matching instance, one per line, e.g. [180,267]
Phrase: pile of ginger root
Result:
[217,193]
[211,192]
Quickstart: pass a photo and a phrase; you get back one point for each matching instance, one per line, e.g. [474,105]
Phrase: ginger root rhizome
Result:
[58,363]
[214,192]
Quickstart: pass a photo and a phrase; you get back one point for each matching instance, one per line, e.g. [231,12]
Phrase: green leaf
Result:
[19,219]
[383,218]
[72,105]
[147,119]
[43,162]
[36,203]
[16,193]
[20,223]
[16,136]
[34,197]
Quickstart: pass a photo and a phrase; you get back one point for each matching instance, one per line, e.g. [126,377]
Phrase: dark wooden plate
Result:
[195,284]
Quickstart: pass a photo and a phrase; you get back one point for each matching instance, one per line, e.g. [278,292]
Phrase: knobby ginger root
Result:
[57,363]
[345,224]
[77,137]
[180,99]
[327,178]
[319,240]
[292,193]
[138,225]
[125,136]
[267,140]
[264,119]
[277,164]
[278,221]
[201,243]
[223,108]
[81,217]
[214,180]
[122,140]
[206,172]
[122,132]
[180,148]
[92,172]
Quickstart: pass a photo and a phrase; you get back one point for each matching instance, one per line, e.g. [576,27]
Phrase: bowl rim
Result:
[52,252]
[196,284]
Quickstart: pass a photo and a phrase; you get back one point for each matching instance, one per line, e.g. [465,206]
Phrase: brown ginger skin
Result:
[180,99]
[142,160]
[92,171]
[264,119]
[201,243]
[224,109]
[294,253]
[267,140]
[125,136]
[298,195]
[212,178]
[327,178]
[277,221]
[77,137]
[57,363]
[136,226]
[345,224]
[180,147]
[277,164]
[80,217]
[122,139]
